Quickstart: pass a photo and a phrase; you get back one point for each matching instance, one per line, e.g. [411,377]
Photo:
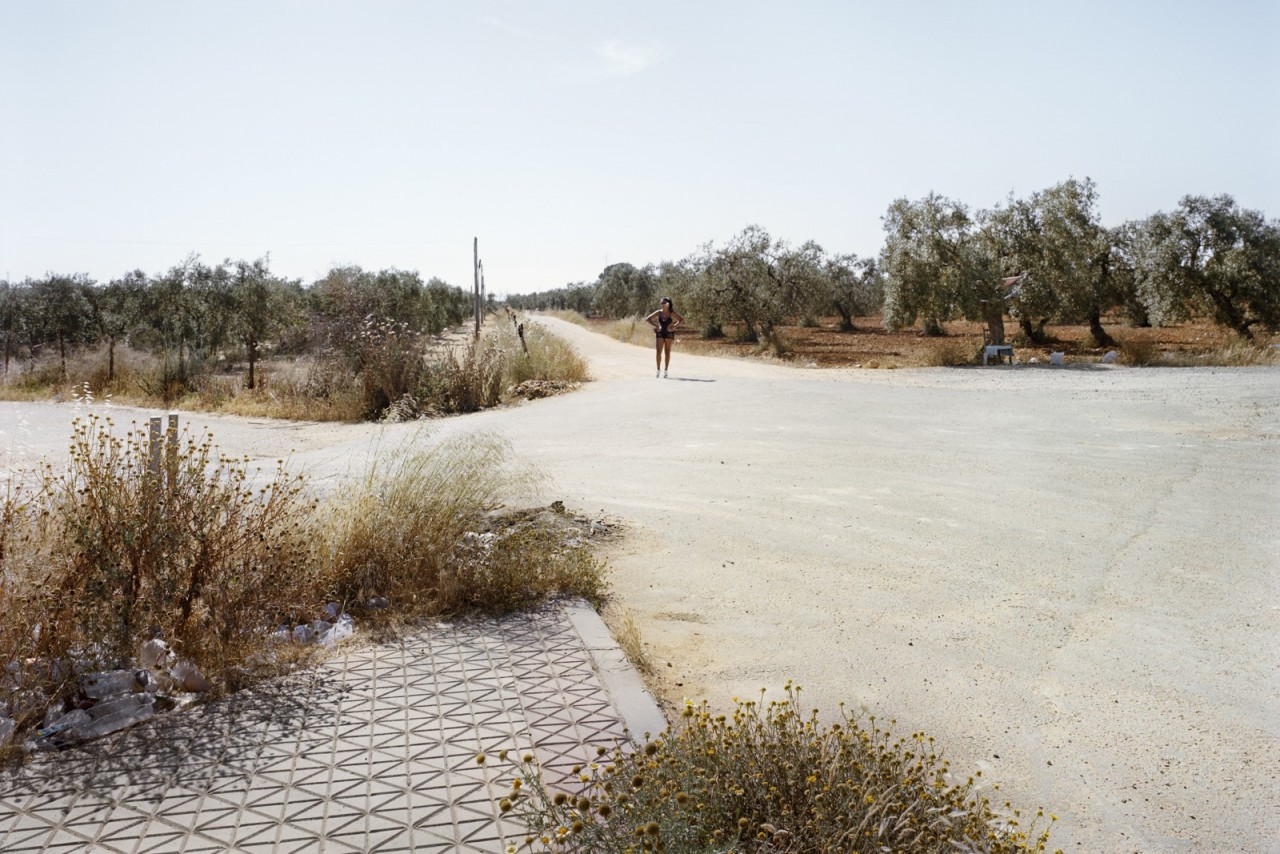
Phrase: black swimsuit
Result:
[663,331]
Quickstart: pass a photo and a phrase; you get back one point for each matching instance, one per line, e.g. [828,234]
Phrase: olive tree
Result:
[928,261]
[1211,256]
[624,290]
[761,282]
[61,313]
[265,307]
[116,310]
[857,288]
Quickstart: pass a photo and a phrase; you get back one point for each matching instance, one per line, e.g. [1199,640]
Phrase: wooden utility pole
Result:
[475,254]
[482,293]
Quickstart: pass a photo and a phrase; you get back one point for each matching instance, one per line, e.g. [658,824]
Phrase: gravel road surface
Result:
[1067,575]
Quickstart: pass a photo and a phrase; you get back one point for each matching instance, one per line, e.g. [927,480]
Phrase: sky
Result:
[566,135]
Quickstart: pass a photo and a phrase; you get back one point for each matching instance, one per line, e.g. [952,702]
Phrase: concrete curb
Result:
[636,706]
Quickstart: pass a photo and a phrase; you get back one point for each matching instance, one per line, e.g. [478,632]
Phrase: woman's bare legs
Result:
[665,345]
[658,354]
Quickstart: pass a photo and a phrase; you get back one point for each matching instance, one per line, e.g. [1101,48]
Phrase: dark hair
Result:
[668,301]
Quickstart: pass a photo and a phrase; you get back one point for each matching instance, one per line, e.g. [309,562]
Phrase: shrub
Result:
[768,779]
[389,358]
[1137,351]
[137,538]
[950,354]
[462,379]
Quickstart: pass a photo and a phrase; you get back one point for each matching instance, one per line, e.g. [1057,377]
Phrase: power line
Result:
[97,240]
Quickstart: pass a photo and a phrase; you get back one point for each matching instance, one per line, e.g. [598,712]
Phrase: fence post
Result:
[171,449]
[153,447]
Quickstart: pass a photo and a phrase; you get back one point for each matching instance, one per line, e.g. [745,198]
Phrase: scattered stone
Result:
[377,603]
[1109,357]
[1057,358]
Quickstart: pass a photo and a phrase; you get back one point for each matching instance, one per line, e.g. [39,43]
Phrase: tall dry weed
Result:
[139,537]
[547,357]
[395,533]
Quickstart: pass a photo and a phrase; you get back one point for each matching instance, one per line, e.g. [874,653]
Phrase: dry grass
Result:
[136,539]
[1236,353]
[951,354]
[547,358]
[393,374]
[626,631]
[769,778]
[394,533]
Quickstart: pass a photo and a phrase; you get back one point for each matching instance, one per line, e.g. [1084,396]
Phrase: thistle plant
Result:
[140,536]
[767,778]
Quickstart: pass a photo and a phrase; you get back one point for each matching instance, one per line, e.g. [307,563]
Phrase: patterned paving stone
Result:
[372,751]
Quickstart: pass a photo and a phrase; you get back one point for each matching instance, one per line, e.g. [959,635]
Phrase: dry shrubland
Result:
[140,537]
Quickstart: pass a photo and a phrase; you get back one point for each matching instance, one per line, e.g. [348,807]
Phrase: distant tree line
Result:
[1043,258]
[196,314]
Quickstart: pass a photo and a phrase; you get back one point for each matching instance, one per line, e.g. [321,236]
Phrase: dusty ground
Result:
[1068,576]
[870,345]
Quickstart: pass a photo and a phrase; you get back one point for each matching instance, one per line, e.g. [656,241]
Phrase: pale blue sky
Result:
[569,134]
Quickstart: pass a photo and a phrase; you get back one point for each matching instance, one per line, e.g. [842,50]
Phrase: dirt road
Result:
[1068,576]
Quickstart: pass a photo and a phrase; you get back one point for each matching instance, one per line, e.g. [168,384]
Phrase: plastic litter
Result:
[1109,357]
[7,726]
[155,654]
[189,678]
[75,717]
[342,629]
[146,681]
[113,716]
[1057,358]
[121,703]
[95,686]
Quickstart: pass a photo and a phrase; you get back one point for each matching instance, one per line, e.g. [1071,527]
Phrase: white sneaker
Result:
[657,374]
[664,375]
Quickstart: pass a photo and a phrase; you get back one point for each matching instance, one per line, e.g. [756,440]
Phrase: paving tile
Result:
[374,750]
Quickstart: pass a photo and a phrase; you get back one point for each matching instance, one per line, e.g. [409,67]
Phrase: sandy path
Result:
[1068,576]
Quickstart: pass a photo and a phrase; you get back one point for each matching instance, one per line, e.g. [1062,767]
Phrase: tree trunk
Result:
[846,319]
[994,318]
[1034,332]
[111,358]
[1100,336]
[62,355]
[931,327]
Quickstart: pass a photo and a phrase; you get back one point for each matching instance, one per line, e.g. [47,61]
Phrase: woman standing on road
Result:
[664,322]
